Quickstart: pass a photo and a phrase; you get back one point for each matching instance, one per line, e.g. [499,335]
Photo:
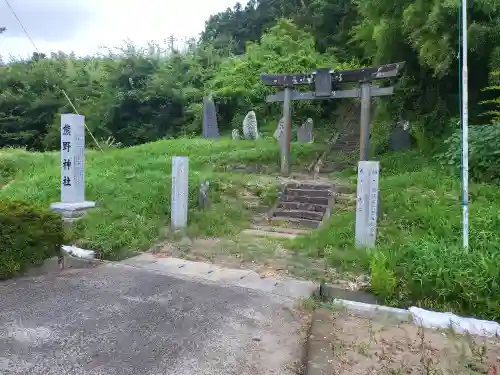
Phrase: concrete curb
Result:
[370,310]
[208,272]
[53,265]
[319,353]
[330,292]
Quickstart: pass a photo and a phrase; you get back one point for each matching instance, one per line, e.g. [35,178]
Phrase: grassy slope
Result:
[132,187]
[418,260]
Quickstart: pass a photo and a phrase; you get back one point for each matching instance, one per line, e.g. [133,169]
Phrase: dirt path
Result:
[265,248]
[262,254]
[266,255]
[345,343]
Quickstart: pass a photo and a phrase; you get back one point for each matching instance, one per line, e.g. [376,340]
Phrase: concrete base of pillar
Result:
[71,212]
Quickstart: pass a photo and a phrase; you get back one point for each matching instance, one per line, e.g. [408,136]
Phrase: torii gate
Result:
[326,86]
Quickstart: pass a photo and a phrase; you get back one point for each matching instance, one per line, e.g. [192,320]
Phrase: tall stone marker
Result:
[179,204]
[210,127]
[73,201]
[367,203]
[250,129]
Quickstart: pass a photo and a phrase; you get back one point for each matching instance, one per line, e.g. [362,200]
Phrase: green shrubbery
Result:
[28,236]
[420,259]
[439,275]
[484,154]
[494,88]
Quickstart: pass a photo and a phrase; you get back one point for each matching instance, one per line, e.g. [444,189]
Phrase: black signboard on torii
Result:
[326,83]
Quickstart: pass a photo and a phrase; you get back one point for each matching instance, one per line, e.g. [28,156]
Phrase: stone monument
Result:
[400,138]
[235,134]
[367,202]
[73,203]
[280,129]
[210,127]
[179,204]
[305,132]
[203,199]
[250,130]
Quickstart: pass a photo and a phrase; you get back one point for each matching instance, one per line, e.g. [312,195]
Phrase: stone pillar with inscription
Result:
[367,202]
[180,192]
[73,203]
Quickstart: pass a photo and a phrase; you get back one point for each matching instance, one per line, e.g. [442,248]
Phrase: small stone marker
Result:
[250,130]
[73,201]
[400,137]
[280,129]
[305,132]
[203,200]
[235,134]
[179,204]
[367,203]
[210,127]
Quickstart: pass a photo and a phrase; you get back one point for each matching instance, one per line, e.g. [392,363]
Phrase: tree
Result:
[139,94]
[494,101]
[425,34]
[284,48]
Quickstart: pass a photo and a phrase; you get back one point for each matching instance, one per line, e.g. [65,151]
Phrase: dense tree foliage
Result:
[136,95]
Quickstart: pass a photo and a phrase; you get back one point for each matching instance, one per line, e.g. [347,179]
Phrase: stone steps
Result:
[346,144]
[331,166]
[265,233]
[310,193]
[348,141]
[308,186]
[303,205]
[301,214]
[300,223]
[305,199]
[345,149]
[274,229]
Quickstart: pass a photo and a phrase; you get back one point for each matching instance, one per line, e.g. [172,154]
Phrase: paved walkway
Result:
[140,318]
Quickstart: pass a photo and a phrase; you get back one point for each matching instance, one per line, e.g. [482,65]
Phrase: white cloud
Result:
[84,25]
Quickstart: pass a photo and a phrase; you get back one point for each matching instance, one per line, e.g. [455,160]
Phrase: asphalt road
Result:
[116,319]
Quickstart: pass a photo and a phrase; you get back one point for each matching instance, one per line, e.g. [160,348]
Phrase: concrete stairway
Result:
[348,140]
[346,145]
[303,204]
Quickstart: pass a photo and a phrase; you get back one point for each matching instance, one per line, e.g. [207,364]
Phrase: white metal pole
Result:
[465,130]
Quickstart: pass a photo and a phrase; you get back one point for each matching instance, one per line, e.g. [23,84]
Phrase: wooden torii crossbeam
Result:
[326,83]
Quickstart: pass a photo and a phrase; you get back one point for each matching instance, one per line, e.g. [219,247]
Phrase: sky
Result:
[83,26]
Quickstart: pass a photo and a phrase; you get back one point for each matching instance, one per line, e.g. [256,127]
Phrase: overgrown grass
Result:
[133,186]
[419,258]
